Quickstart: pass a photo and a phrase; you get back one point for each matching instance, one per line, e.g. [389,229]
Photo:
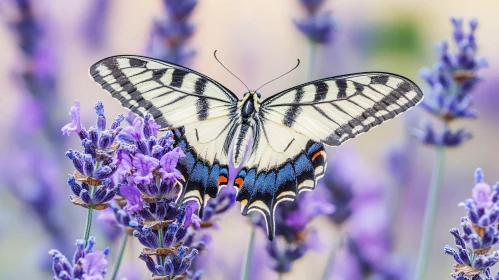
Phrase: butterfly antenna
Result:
[215,55]
[281,75]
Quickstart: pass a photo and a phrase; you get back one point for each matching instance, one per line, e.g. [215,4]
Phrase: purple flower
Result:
[292,221]
[94,266]
[175,264]
[151,128]
[480,233]
[318,28]
[132,133]
[191,218]
[169,36]
[132,194]
[75,124]
[482,195]
[87,264]
[451,82]
[168,164]
[310,205]
[144,167]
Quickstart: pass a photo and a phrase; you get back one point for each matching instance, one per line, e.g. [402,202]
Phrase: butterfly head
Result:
[253,93]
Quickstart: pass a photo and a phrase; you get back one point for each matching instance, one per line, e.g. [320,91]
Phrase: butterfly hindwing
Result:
[200,110]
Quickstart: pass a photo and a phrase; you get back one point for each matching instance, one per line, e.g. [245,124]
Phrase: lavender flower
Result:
[175,263]
[473,247]
[291,224]
[149,180]
[96,164]
[87,264]
[95,23]
[33,143]
[336,186]
[368,249]
[451,82]
[318,26]
[170,35]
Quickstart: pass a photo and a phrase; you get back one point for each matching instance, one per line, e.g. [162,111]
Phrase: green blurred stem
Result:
[249,253]
[430,213]
[332,254]
[119,257]
[312,57]
[279,277]
[88,225]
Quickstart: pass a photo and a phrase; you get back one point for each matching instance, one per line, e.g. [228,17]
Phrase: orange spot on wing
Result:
[222,180]
[319,153]
[239,182]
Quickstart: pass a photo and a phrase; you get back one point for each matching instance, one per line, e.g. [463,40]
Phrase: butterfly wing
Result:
[201,111]
[288,155]
[336,109]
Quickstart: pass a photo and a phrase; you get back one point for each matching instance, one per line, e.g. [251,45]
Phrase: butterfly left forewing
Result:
[201,111]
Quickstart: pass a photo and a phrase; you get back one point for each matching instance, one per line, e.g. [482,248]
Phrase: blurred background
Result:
[257,40]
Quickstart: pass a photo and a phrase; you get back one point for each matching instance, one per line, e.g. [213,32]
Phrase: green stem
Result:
[161,245]
[312,57]
[430,213]
[119,257]
[279,277]
[247,260]
[88,225]
[331,256]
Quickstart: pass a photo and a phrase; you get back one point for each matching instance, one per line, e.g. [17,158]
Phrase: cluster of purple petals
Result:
[317,26]
[149,180]
[170,35]
[336,185]
[97,161]
[364,221]
[451,82]
[369,246]
[114,220]
[175,264]
[473,250]
[87,264]
[224,201]
[292,225]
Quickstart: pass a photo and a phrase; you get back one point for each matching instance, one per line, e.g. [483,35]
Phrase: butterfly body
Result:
[288,130]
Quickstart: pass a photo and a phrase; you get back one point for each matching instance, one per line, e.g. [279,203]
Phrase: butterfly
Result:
[276,144]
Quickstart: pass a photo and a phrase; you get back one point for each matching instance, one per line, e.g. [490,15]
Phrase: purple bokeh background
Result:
[387,171]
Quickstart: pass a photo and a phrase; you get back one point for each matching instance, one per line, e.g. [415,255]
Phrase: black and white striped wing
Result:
[336,109]
[200,110]
[288,155]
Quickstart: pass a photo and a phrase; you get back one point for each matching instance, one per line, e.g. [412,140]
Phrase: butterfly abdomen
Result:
[242,140]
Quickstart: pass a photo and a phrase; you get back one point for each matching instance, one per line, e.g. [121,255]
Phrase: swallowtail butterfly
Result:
[288,130]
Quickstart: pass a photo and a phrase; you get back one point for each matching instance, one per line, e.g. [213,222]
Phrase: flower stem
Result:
[430,213]
[312,53]
[247,261]
[88,225]
[161,245]
[279,277]
[119,257]
[332,254]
